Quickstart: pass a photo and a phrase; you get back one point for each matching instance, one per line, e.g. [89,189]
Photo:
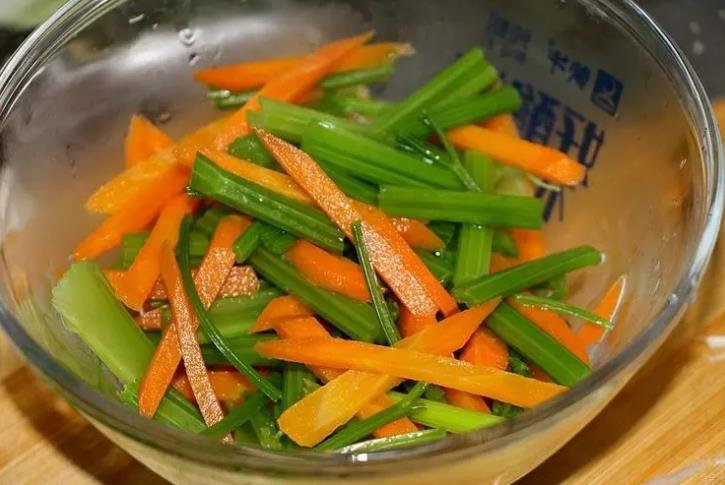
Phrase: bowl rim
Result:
[78,14]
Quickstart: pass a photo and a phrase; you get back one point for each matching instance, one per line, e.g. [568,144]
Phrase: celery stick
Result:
[451,418]
[249,148]
[395,442]
[174,409]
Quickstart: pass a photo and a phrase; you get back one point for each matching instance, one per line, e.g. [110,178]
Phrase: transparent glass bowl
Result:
[599,80]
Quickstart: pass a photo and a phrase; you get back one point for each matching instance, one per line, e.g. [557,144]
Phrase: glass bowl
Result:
[599,80]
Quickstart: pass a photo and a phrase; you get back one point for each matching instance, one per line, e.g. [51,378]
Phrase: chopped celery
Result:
[395,442]
[174,409]
[357,76]
[249,148]
[445,416]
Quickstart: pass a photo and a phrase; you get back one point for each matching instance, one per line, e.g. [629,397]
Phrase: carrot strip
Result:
[241,281]
[466,400]
[555,326]
[313,418]
[135,286]
[503,123]
[184,322]
[417,234]
[538,373]
[150,320]
[485,348]
[214,269]
[228,385]
[250,75]
[290,85]
[143,140]
[530,244]
[282,308]
[137,214]
[270,179]
[410,364]
[411,324]
[589,333]
[540,160]
[391,256]
[310,327]
[329,271]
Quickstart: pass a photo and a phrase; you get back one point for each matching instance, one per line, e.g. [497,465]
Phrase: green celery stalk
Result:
[358,76]
[372,160]
[442,271]
[482,78]
[243,347]
[445,230]
[453,160]
[237,416]
[88,307]
[249,148]
[289,121]
[395,442]
[351,186]
[210,329]
[268,435]
[554,289]
[263,204]
[561,307]
[276,240]
[537,346]
[132,242]
[517,365]
[248,241]
[504,244]
[292,384]
[206,224]
[354,318]
[453,419]
[475,241]
[526,275]
[359,429]
[356,105]
[437,89]
[505,409]
[466,110]
[457,206]
[174,409]
[390,330]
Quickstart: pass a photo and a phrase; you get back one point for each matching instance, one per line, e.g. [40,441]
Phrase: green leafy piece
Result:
[457,206]
[390,330]
[526,275]
[208,326]
[265,205]
[359,429]
[537,346]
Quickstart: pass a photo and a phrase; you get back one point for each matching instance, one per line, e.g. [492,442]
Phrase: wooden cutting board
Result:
[667,426]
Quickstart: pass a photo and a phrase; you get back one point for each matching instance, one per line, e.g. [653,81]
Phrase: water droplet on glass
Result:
[187,37]
[673,299]
[136,19]
[155,26]
[721,14]
[193,58]
[698,47]
[683,162]
[695,27]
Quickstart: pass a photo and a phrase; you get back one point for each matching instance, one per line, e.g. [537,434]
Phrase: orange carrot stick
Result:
[185,325]
[410,364]
[555,326]
[466,400]
[317,415]
[143,140]
[241,281]
[530,244]
[228,385]
[135,286]
[329,271]
[214,269]
[590,333]
[540,160]
[270,179]
[282,308]
[310,327]
[137,214]
[503,123]
[250,75]
[538,373]
[150,320]
[485,348]
[417,234]
[411,324]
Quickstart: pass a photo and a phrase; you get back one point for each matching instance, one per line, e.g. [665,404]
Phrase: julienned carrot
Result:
[555,326]
[310,327]
[540,160]
[417,234]
[530,244]
[250,75]
[466,400]
[183,318]
[282,308]
[151,320]
[329,271]
[503,123]
[485,348]
[289,86]
[143,140]
[135,286]
[411,324]
[538,373]
[228,385]
[391,256]
[241,281]
[214,269]
[590,333]
[411,364]
[317,415]
[137,214]
[270,179]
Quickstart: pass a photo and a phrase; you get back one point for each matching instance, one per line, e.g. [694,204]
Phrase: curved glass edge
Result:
[43,43]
